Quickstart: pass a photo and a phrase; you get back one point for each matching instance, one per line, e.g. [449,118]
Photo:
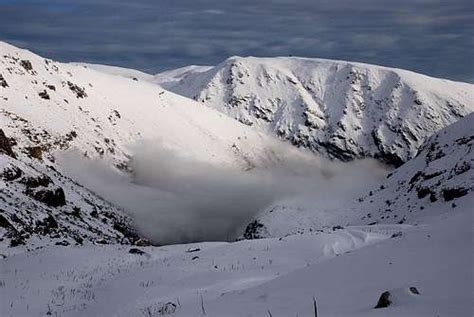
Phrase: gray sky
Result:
[434,37]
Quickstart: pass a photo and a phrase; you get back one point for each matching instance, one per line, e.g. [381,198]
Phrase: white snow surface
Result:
[346,272]
[342,109]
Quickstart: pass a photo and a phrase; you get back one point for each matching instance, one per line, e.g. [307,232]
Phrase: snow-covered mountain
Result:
[409,238]
[343,109]
[47,108]
[439,181]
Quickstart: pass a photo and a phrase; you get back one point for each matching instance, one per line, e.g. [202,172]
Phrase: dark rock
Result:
[47,225]
[254,230]
[26,64]
[34,182]
[4,223]
[414,290]
[452,193]
[11,173]
[63,243]
[51,87]
[136,251]
[3,82]
[17,241]
[384,300]
[80,92]
[35,152]
[334,228]
[127,231]
[397,234]
[78,240]
[432,175]
[465,140]
[54,197]
[462,167]
[191,250]
[5,145]
[422,192]
[76,212]
[167,309]
[44,94]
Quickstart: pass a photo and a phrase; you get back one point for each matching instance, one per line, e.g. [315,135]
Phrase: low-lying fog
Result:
[173,199]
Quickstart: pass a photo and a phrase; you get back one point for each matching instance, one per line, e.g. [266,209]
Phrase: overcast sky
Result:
[427,36]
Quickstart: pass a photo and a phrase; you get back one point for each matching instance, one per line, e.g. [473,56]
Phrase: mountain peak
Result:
[344,110]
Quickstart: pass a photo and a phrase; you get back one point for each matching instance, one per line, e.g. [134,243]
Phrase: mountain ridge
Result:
[342,109]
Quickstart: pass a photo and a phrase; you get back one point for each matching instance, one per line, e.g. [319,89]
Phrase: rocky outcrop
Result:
[5,145]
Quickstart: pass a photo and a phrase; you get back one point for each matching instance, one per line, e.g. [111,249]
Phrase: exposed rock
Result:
[34,182]
[26,64]
[254,230]
[80,92]
[44,94]
[46,226]
[54,197]
[5,145]
[136,251]
[384,300]
[11,173]
[35,152]
[389,297]
[334,228]
[452,193]
[3,82]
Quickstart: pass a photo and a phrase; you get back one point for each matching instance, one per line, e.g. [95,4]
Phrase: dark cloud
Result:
[429,36]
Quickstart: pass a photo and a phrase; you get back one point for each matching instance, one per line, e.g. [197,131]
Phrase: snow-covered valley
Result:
[294,182]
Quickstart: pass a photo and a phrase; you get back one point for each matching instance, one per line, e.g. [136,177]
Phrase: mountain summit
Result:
[344,110]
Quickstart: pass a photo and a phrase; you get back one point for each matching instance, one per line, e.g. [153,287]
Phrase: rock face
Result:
[5,146]
[341,109]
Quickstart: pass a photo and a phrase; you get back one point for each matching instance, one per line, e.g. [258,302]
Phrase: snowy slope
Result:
[118,71]
[41,206]
[346,271]
[101,114]
[343,109]
[48,107]
[171,77]
[438,181]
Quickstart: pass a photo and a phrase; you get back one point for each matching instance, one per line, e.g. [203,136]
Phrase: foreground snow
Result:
[346,271]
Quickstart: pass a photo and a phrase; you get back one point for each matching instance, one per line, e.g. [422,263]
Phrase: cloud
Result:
[174,199]
[149,36]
